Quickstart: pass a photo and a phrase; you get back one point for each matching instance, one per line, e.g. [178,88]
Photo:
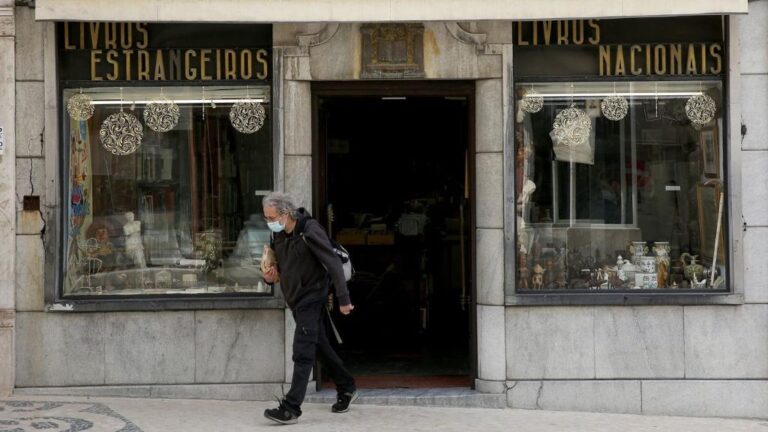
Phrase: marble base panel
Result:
[256,392]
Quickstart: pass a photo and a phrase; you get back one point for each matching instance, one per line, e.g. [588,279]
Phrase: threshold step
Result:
[439,397]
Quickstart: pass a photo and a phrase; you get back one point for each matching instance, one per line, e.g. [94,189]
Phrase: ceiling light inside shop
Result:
[632,95]
[178,101]
[393,98]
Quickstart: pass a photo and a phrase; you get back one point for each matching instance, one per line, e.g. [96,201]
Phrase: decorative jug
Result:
[694,268]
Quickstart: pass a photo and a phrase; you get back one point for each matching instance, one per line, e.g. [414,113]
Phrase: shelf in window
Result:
[157,183]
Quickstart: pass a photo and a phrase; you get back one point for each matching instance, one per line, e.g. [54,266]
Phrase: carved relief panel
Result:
[392,51]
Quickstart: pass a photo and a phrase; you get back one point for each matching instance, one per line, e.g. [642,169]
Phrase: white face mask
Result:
[276,226]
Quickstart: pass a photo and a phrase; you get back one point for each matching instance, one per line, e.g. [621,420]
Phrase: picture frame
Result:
[710,152]
[707,197]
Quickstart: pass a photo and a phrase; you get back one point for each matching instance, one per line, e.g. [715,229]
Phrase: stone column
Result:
[296,146]
[297,124]
[7,197]
[489,177]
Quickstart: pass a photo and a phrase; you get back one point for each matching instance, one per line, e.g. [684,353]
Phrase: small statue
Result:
[523,278]
[522,267]
[538,277]
[560,281]
[606,279]
[620,269]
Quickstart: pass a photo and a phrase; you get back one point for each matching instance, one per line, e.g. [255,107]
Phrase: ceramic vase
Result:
[638,249]
[661,249]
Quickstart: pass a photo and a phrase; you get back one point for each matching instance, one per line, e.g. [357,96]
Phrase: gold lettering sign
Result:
[561,32]
[623,60]
[122,52]
[661,59]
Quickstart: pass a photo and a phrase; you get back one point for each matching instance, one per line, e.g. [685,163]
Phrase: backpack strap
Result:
[301,224]
[301,234]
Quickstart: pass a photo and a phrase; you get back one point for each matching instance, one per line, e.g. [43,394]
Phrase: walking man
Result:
[306,266]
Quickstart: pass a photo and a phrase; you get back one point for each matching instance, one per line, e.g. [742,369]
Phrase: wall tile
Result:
[550,343]
[150,348]
[726,342]
[490,266]
[231,346]
[59,349]
[639,342]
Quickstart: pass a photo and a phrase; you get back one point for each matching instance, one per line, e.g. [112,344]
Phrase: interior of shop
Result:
[396,198]
[176,213]
[633,200]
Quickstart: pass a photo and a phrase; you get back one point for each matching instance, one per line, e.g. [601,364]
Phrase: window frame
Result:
[734,294]
[55,211]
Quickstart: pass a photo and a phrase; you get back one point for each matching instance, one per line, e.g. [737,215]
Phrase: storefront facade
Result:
[557,320]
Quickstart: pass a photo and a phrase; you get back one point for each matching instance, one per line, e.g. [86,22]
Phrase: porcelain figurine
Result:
[698,284]
[537,281]
[620,261]
[523,278]
[629,270]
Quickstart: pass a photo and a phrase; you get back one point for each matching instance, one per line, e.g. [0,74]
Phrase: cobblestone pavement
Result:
[24,414]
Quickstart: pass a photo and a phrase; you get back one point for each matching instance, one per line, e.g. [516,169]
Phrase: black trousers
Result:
[310,342]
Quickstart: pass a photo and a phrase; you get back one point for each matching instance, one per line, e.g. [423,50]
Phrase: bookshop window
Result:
[165,198]
[620,186]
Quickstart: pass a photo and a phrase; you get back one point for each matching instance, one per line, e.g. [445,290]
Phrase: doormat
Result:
[26,416]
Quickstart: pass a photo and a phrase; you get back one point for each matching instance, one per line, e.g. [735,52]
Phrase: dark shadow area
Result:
[396,180]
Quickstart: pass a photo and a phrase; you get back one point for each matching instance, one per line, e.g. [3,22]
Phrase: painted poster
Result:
[80,198]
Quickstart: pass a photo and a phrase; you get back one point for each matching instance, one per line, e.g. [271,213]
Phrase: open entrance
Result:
[393,181]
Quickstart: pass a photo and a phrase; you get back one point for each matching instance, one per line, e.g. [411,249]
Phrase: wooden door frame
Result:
[463,88]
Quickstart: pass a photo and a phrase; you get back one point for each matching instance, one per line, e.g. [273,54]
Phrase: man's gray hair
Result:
[282,202]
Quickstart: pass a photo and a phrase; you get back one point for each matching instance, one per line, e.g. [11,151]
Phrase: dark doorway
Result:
[393,180]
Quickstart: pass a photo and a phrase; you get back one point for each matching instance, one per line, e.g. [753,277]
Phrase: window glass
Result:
[626,204]
[181,213]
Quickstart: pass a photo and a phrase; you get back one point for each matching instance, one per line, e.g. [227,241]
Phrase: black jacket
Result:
[302,264]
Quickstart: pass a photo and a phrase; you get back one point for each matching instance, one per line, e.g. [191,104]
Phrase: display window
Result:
[164,189]
[620,186]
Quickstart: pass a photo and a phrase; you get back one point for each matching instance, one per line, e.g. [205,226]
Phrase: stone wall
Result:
[213,354]
[228,354]
[670,360]
[7,225]
[684,360]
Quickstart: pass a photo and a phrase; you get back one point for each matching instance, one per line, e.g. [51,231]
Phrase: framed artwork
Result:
[710,153]
[708,200]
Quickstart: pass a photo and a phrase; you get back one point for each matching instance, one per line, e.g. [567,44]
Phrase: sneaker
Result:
[343,401]
[282,415]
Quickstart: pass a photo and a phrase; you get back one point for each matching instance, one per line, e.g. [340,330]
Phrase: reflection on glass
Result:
[636,205]
[180,215]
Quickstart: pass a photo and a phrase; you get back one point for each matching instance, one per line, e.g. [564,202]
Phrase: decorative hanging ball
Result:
[700,109]
[121,133]
[614,107]
[247,116]
[532,102]
[161,115]
[79,107]
[572,127]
